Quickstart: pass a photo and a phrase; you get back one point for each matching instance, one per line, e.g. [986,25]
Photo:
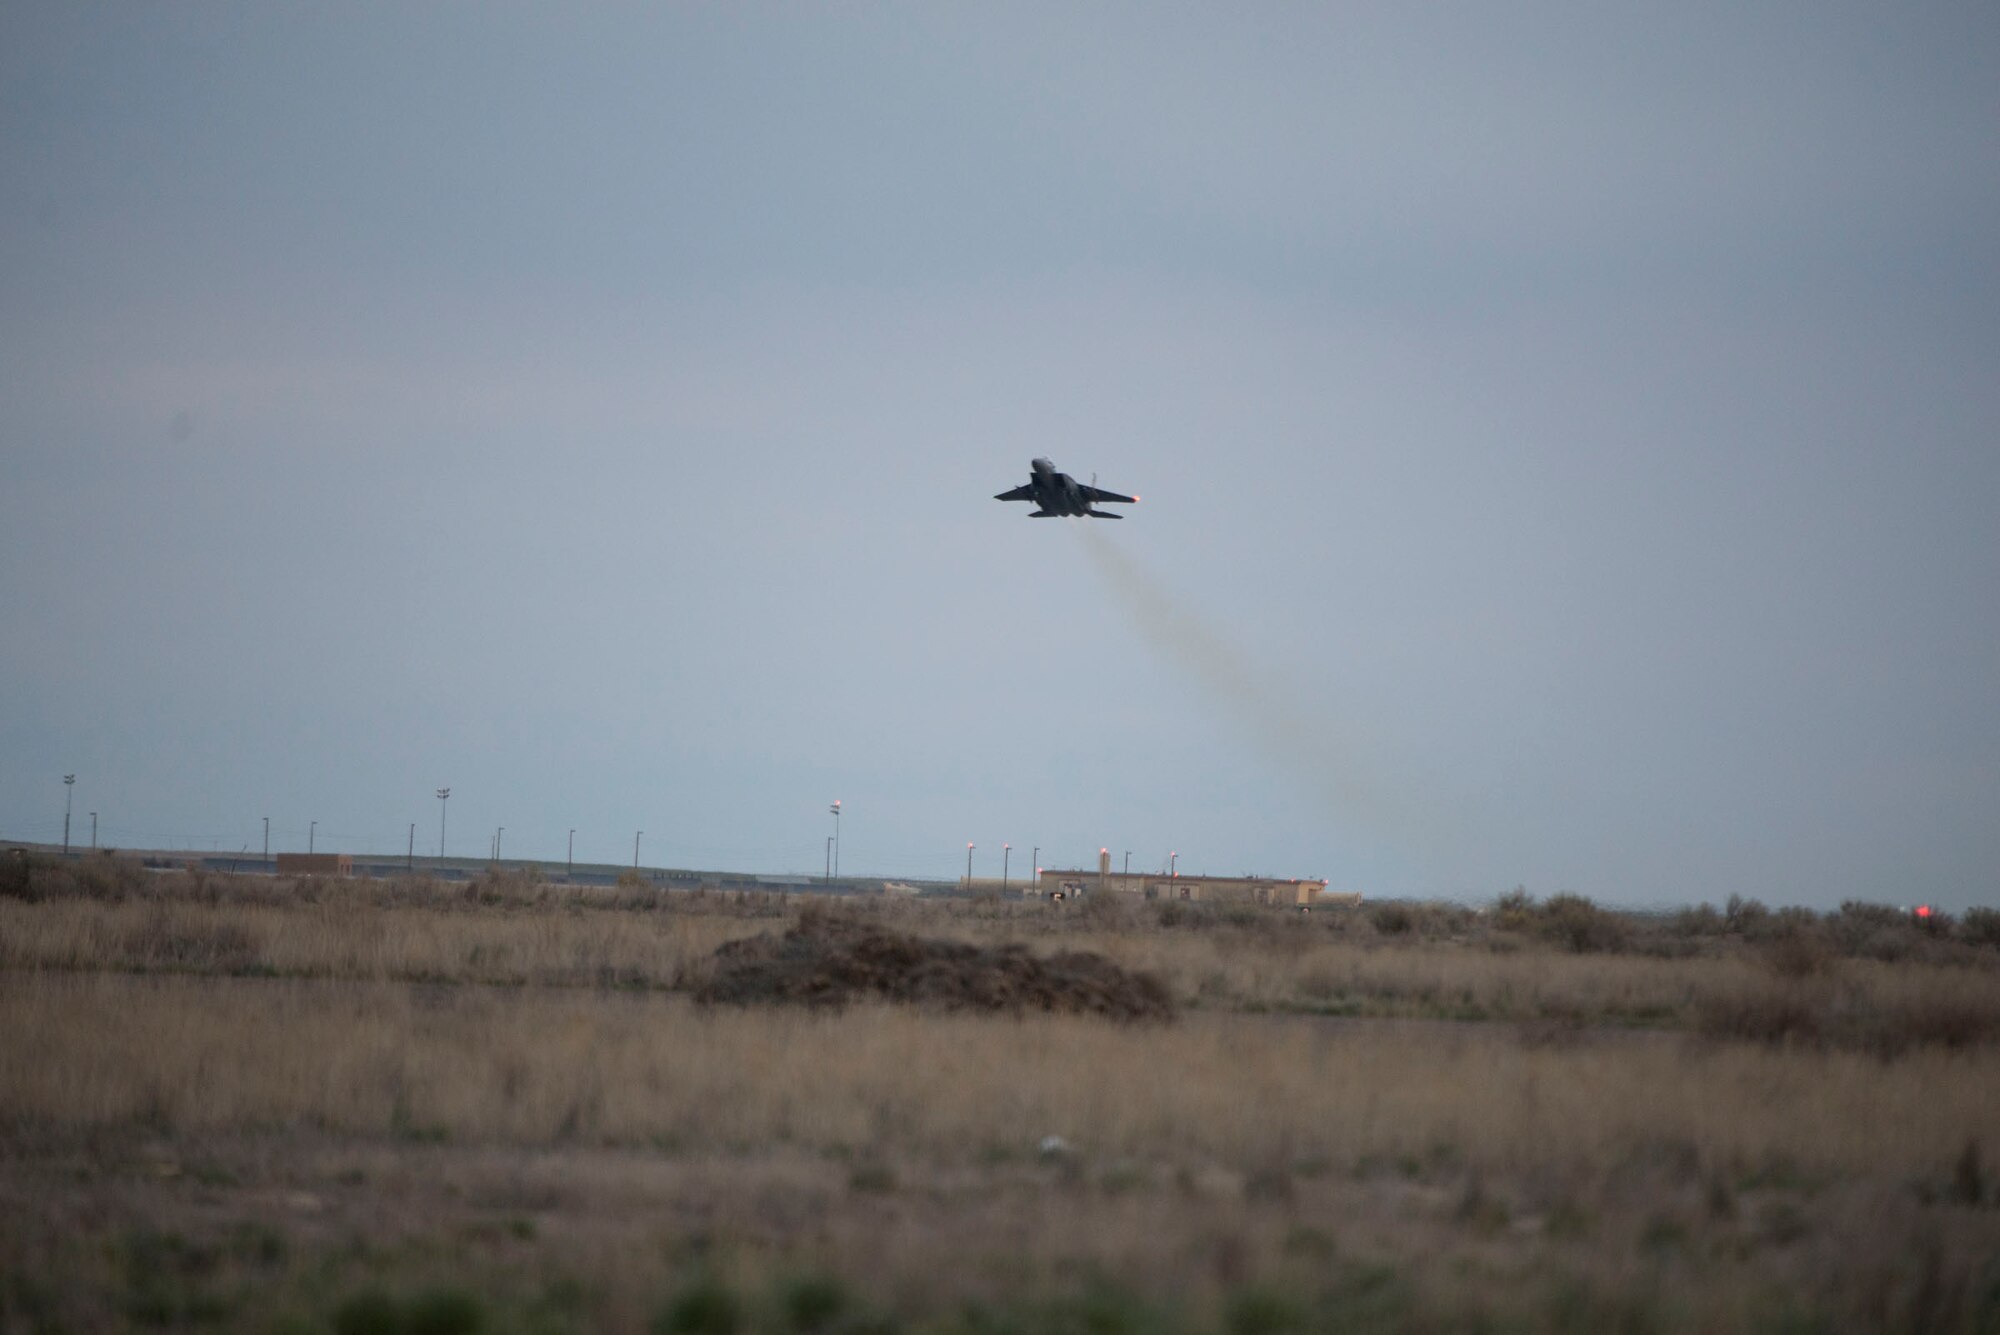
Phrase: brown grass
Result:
[532,1067]
[230,1104]
[349,938]
[630,1135]
[1785,987]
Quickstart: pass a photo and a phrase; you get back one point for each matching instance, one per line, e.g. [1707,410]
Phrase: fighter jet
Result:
[1060,494]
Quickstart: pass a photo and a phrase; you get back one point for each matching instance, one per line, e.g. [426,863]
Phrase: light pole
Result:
[571,871]
[496,842]
[311,832]
[410,854]
[93,831]
[635,850]
[1128,862]
[1005,849]
[968,864]
[267,838]
[829,859]
[69,795]
[1173,866]
[836,836]
[1037,860]
[444,798]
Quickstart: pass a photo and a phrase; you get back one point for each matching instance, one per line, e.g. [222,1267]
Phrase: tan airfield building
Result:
[315,864]
[1284,892]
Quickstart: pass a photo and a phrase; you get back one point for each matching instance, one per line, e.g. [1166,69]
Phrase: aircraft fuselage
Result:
[1057,493]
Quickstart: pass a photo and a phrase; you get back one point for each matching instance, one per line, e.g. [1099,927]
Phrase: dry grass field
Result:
[239,1104]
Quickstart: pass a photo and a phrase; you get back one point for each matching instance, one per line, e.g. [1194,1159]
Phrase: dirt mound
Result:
[830,961]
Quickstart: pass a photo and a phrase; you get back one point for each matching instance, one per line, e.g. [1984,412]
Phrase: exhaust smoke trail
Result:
[1282,729]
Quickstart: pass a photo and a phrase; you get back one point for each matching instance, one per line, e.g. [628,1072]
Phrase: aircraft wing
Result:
[1020,493]
[1100,494]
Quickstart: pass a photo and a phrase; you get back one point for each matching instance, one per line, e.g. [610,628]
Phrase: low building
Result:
[315,864]
[1284,892]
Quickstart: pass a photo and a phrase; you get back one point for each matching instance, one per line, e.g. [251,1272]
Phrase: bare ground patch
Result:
[826,960]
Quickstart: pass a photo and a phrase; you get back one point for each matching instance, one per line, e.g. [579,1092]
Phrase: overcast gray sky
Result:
[1569,437]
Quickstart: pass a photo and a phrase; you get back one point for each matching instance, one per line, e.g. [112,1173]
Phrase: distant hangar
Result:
[1283,892]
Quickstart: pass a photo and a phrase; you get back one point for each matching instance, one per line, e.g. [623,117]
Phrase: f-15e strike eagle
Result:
[1060,494]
